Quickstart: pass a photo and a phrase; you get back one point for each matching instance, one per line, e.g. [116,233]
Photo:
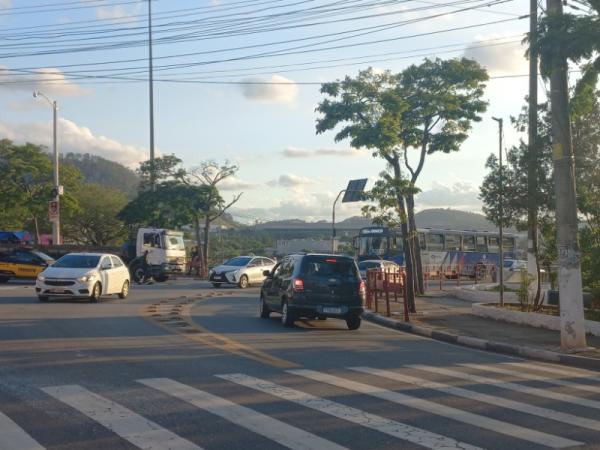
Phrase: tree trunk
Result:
[37,230]
[408,254]
[416,248]
[198,246]
[205,246]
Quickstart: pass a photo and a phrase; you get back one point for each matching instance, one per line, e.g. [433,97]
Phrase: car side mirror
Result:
[267,273]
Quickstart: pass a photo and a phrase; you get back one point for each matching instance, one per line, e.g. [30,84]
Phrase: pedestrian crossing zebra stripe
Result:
[12,436]
[387,426]
[129,425]
[529,376]
[438,409]
[570,372]
[546,413]
[552,395]
[259,423]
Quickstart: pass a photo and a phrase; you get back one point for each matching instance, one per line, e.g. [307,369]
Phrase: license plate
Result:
[57,291]
[331,310]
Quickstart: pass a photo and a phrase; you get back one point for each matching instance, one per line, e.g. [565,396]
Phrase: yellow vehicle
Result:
[22,263]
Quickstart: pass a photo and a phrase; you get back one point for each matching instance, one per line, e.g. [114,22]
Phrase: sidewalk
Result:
[443,317]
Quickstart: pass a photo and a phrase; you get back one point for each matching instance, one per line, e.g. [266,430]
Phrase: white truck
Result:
[165,254]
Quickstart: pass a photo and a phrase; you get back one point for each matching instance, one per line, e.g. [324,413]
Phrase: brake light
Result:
[362,288]
[331,260]
[298,285]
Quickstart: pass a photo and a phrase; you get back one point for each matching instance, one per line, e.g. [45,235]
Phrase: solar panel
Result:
[355,191]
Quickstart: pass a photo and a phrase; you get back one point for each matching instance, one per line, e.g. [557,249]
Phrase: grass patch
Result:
[589,314]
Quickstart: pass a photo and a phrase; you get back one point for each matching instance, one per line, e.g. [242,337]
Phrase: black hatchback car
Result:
[314,286]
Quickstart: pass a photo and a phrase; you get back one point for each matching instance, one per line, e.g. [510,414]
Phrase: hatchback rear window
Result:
[329,267]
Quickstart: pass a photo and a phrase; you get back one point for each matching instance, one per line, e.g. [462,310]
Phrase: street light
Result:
[56,221]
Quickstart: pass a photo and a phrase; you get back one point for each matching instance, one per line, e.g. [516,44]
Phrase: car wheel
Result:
[4,279]
[263,309]
[243,282]
[124,290]
[216,285]
[43,298]
[321,318]
[96,293]
[287,317]
[161,278]
[353,323]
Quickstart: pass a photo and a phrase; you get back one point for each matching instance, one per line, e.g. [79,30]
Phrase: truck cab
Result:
[166,252]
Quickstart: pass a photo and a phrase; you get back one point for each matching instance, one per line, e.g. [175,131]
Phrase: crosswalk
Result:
[462,406]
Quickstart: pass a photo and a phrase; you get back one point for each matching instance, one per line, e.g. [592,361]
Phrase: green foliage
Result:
[95,220]
[384,195]
[101,171]
[27,181]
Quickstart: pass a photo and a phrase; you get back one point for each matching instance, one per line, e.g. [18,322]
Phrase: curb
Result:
[484,344]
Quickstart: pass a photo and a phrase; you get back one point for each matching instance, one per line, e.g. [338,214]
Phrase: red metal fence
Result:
[435,277]
[387,286]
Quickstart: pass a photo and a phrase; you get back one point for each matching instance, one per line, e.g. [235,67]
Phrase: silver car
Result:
[382,264]
[241,270]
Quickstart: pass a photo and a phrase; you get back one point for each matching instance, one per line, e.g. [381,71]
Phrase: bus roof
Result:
[371,231]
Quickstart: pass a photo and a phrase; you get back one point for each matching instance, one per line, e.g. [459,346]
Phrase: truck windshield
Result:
[174,242]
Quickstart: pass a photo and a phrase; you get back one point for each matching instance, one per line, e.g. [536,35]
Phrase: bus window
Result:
[435,242]
[508,243]
[422,241]
[468,243]
[493,244]
[481,246]
[452,242]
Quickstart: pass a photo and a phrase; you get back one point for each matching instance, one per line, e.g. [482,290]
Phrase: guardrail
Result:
[387,286]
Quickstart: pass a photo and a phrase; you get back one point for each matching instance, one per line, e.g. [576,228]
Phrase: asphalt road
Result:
[184,366]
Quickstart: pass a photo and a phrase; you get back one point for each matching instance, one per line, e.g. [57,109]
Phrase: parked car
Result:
[313,286]
[382,264]
[241,270]
[82,275]
[23,263]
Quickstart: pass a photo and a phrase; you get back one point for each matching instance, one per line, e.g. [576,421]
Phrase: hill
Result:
[98,170]
[453,219]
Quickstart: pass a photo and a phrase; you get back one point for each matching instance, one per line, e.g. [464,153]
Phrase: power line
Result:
[38,11]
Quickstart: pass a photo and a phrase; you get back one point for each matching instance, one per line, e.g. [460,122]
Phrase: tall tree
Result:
[444,98]
[369,111]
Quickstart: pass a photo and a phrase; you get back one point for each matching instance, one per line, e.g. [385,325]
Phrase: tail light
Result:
[298,285]
[362,288]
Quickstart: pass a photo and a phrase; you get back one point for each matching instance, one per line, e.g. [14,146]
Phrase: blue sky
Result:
[286,170]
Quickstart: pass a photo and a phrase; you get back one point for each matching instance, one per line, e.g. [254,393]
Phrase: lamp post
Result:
[501,211]
[56,190]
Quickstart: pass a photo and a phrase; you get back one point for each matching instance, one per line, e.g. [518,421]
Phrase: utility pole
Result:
[501,211]
[572,325]
[57,188]
[534,285]
[151,96]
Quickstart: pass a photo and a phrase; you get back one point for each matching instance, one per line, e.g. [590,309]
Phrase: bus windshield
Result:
[372,245]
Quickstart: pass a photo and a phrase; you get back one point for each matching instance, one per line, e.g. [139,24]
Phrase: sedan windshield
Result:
[238,261]
[77,261]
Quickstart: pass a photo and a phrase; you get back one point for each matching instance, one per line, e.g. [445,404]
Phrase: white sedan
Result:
[84,275]
[241,270]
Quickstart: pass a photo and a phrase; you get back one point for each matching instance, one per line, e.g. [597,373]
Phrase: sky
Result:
[239,80]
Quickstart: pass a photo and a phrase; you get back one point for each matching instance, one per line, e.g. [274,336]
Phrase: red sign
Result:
[53,211]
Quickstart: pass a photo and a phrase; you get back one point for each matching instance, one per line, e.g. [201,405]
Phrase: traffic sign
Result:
[53,211]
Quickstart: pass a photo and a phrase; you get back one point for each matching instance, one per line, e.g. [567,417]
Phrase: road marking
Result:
[274,429]
[530,376]
[390,427]
[485,398]
[438,409]
[12,436]
[552,395]
[132,427]
[571,372]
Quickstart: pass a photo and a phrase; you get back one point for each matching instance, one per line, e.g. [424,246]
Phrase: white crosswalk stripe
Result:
[485,398]
[259,423]
[132,427]
[390,427]
[570,372]
[557,396]
[13,437]
[441,410]
[530,376]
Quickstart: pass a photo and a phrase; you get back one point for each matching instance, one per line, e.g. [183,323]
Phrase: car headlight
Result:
[87,277]
[41,277]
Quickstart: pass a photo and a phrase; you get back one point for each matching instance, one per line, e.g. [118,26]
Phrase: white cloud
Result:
[235,184]
[259,89]
[5,4]
[290,180]
[119,13]
[459,195]
[49,80]
[74,138]
[498,57]
[294,152]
